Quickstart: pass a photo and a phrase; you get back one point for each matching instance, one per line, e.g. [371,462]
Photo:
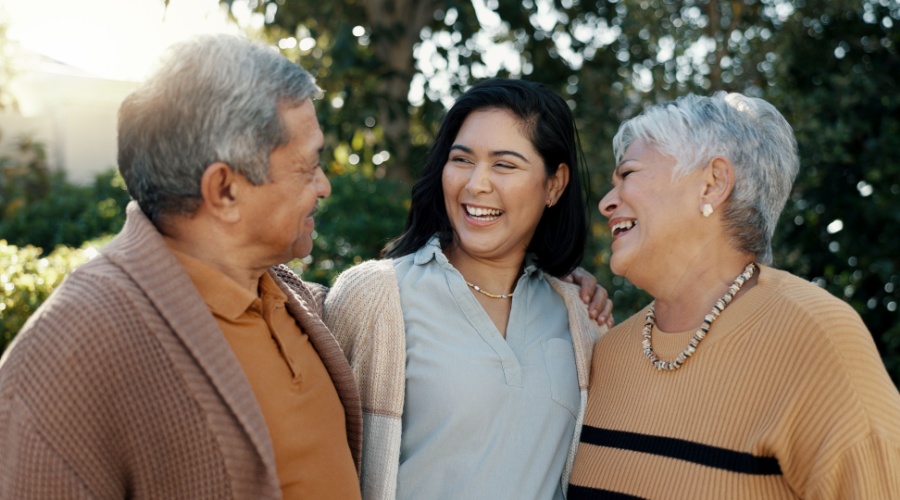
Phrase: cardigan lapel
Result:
[142,253]
[585,331]
[329,351]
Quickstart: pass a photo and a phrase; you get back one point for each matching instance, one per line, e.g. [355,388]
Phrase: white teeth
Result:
[483,212]
[623,226]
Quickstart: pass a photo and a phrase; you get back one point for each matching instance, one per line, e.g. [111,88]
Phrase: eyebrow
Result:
[618,169]
[500,152]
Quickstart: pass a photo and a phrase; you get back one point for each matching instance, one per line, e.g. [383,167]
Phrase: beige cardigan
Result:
[363,312]
[121,385]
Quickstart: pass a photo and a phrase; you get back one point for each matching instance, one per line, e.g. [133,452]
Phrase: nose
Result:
[323,185]
[609,203]
[479,180]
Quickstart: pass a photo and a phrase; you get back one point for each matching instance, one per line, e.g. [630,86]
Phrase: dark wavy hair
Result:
[558,242]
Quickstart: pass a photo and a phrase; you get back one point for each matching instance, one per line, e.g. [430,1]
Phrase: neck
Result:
[683,300]
[211,244]
[495,276]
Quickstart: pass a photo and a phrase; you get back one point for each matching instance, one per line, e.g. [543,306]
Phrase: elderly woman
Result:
[739,380]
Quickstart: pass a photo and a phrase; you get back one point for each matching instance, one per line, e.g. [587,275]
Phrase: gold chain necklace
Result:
[489,294]
[701,333]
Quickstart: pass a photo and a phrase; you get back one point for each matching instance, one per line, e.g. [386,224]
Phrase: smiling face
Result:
[279,212]
[496,186]
[651,215]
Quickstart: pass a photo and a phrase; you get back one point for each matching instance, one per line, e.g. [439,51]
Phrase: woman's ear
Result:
[718,182]
[557,183]
[220,188]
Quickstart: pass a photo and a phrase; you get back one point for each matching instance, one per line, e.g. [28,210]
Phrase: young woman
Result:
[471,354]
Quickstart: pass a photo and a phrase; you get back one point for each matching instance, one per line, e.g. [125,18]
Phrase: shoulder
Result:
[92,327]
[582,325]
[623,335]
[791,286]
[811,332]
[812,309]
[364,305]
[584,330]
[797,290]
[373,277]
[571,295]
[565,289]
[361,292]
[313,294]
[90,301]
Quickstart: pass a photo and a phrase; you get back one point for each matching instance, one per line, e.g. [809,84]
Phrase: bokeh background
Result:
[390,68]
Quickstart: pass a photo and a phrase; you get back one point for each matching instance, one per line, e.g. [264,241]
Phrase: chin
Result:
[617,266]
[301,253]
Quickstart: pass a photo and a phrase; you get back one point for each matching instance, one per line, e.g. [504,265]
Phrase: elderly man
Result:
[185,361]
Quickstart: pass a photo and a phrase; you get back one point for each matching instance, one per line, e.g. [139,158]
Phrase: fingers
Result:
[598,301]
[588,284]
[600,307]
[606,317]
[595,296]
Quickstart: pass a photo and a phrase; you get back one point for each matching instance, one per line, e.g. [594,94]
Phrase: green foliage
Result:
[24,177]
[27,278]
[362,54]
[45,222]
[43,209]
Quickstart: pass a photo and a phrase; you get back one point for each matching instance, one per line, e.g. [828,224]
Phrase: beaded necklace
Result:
[701,333]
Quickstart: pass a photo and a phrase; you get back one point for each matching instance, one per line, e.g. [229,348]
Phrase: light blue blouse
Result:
[484,417]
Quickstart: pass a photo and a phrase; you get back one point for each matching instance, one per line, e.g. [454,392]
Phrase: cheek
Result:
[641,198]
[531,200]
[450,181]
[453,184]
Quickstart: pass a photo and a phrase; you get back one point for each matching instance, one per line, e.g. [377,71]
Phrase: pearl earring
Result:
[706,209]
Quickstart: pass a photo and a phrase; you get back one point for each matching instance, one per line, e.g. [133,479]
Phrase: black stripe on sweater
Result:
[585,493]
[711,456]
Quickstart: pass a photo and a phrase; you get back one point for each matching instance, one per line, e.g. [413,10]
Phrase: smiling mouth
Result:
[621,227]
[483,214]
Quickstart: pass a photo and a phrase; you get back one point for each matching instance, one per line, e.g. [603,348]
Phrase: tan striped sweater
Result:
[785,398]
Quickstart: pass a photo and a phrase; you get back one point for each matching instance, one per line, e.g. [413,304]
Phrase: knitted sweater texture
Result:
[121,385]
[786,397]
[363,311]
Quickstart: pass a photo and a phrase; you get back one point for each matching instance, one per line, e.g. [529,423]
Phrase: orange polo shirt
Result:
[301,407]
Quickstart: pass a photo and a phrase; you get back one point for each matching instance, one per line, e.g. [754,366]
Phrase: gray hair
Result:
[747,131]
[213,98]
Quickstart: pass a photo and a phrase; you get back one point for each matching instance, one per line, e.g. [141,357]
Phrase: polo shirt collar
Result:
[223,296]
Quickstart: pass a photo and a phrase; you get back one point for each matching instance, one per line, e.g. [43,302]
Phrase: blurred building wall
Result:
[71,112]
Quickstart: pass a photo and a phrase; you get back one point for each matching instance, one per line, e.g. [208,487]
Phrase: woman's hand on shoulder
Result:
[595,296]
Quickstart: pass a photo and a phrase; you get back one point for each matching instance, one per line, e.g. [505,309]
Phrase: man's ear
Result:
[718,183]
[220,188]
